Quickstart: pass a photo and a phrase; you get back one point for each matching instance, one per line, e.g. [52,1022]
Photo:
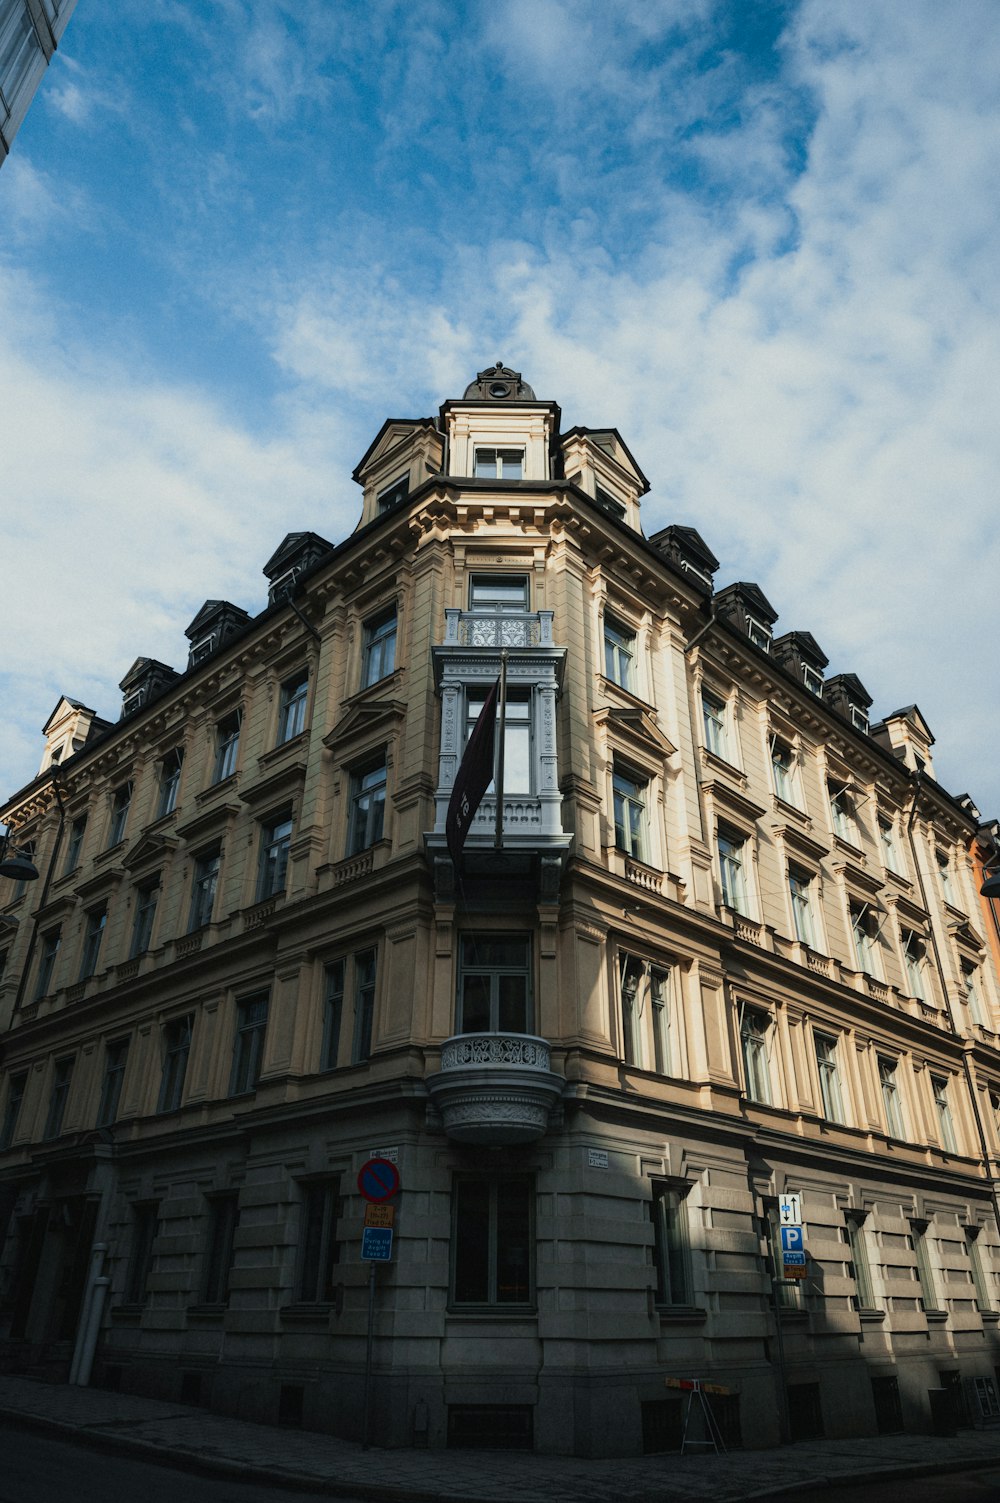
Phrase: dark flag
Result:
[474,776]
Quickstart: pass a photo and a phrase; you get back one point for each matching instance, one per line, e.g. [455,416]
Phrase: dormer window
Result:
[201,650]
[394,494]
[608,502]
[132,702]
[812,680]
[283,587]
[499,464]
[859,718]
[758,633]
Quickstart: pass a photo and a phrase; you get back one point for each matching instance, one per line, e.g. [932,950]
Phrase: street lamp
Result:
[991,887]
[17,863]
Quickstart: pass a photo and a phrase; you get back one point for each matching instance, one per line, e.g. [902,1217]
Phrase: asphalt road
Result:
[39,1468]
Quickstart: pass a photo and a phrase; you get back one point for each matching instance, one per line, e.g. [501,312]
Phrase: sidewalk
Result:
[294,1458]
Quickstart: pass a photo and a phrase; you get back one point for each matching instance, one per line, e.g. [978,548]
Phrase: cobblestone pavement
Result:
[195,1438]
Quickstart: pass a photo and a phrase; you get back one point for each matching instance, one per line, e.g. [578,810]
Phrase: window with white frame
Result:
[646,1014]
[97,920]
[51,943]
[713,714]
[783,771]
[498,594]
[942,1111]
[176,1049]
[891,1104]
[517,732]
[671,1244]
[227,746]
[499,464]
[800,896]
[843,812]
[619,653]
[115,1060]
[759,634]
[732,848]
[945,877]
[630,793]
[292,706]
[829,1077]
[755,1028]
[865,930]
[62,1077]
[367,809]
[120,801]
[170,782]
[393,494]
[379,646]
[890,848]
[203,887]
[78,830]
[275,847]
[494,983]
[914,953]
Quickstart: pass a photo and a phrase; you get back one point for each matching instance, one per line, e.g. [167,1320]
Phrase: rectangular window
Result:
[973,995]
[203,886]
[146,899]
[120,801]
[498,594]
[97,918]
[224,1218]
[292,707]
[661,1019]
[227,746]
[170,782]
[631,824]
[713,714]
[865,933]
[646,1014]
[494,983]
[946,1126]
[979,1279]
[367,815]
[754,1028]
[492,1241]
[393,494]
[333,1014]
[925,1274]
[890,850]
[913,964]
[732,852]
[61,1078]
[319,1249]
[800,896]
[51,941]
[671,1251]
[499,464]
[829,1078]
[859,1268]
[115,1058]
[619,654]
[176,1049]
[842,813]
[813,680]
[248,1045]
[759,634]
[364,1004]
[783,771]
[145,1226]
[16,1087]
[380,647]
[517,761]
[944,874]
[77,831]
[275,845]
[890,1098]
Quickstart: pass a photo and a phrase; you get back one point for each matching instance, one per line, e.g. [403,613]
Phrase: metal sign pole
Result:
[366,1428]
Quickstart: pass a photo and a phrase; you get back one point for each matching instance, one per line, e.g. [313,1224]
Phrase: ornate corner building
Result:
[729,948]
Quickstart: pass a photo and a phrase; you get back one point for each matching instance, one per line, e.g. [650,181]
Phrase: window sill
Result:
[720,764]
[681,1315]
[870,1316]
[492,1312]
[936,1317]
[988,1315]
[206,1312]
[128,1314]
[306,1314]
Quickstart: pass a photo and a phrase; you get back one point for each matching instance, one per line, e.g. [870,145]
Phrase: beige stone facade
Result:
[730,949]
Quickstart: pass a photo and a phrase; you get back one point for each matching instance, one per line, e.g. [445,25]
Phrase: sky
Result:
[760,239]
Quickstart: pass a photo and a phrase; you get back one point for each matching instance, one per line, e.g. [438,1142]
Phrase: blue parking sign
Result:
[376,1244]
[792,1239]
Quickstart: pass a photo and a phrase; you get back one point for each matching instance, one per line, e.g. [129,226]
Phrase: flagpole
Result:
[498,781]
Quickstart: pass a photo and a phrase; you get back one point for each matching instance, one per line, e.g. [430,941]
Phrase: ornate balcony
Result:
[495,1088]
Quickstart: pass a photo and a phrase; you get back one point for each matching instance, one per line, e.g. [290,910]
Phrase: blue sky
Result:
[760,239]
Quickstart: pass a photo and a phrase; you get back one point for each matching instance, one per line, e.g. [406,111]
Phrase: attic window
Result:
[394,493]
[201,650]
[499,464]
[758,634]
[701,575]
[859,718]
[608,502]
[283,586]
[812,680]
[133,702]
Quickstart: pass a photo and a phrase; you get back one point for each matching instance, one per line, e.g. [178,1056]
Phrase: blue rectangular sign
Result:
[793,1259]
[376,1244]
[791,1239]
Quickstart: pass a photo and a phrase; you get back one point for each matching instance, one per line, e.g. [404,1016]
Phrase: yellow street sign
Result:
[379,1214]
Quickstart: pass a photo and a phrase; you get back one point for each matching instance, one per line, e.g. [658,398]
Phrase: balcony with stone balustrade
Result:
[495,1089]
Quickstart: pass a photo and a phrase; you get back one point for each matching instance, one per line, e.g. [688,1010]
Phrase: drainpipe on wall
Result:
[90,1318]
[39,907]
